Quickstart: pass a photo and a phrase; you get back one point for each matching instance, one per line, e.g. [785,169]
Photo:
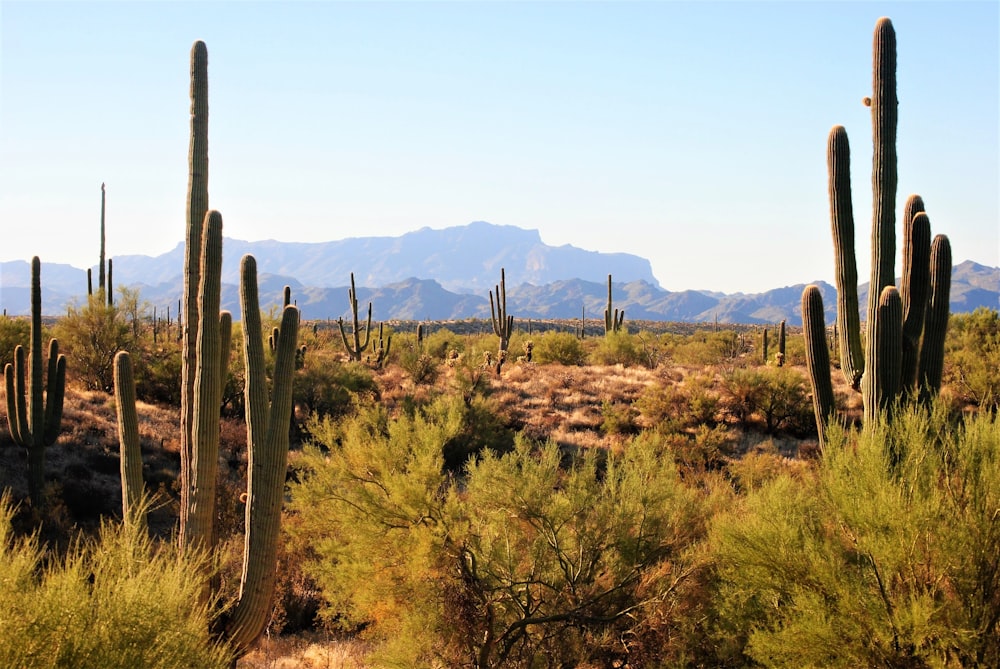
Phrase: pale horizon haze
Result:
[691,134]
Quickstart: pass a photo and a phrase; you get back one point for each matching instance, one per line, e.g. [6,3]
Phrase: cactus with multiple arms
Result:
[503,323]
[34,423]
[898,321]
[613,320]
[357,347]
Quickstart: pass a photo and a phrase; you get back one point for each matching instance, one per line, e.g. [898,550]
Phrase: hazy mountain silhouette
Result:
[447,274]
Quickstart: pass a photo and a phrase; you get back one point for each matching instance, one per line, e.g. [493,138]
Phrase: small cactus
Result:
[503,323]
[613,320]
[34,423]
[356,347]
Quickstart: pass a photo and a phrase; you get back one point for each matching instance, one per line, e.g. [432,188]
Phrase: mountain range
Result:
[447,274]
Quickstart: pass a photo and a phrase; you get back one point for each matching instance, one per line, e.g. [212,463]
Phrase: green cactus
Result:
[503,323]
[817,357]
[130,454]
[885,367]
[763,346]
[612,319]
[197,207]
[780,358]
[354,351]
[936,322]
[34,422]
[380,348]
[101,278]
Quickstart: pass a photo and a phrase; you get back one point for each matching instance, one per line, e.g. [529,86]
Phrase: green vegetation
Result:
[119,600]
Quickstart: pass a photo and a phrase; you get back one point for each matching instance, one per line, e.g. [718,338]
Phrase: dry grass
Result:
[305,651]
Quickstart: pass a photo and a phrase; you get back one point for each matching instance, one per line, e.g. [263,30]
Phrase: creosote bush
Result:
[561,348]
[526,557]
[888,554]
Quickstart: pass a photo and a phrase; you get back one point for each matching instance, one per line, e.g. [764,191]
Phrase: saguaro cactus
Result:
[612,319]
[885,368]
[197,207]
[817,357]
[503,323]
[357,347]
[34,422]
[130,453]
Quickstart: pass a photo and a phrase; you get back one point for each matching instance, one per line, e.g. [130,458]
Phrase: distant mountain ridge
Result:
[446,274]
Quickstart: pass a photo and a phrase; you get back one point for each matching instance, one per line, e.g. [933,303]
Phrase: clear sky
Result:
[693,134]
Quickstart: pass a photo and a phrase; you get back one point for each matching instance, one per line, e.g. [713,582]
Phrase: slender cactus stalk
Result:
[130,453]
[503,323]
[817,358]
[355,349]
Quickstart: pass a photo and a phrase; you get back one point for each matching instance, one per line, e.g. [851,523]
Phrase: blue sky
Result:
[693,134]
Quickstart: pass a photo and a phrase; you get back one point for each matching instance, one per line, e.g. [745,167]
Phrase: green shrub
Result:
[672,406]
[775,396]
[326,386]
[561,348]
[13,331]
[522,562]
[618,348]
[972,357]
[712,348]
[116,601]
[888,555]
[91,336]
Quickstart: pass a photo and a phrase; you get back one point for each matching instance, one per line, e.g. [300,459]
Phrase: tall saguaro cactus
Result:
[503,323]
[34,421]
[130,455]
[357,347]
[613,320]
[197,207]
[899,330]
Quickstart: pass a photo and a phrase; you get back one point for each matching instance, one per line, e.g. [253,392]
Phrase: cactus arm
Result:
[17,409]
[936,323]
[255,390]
[817,358]
[267,438]
[914,287]
[846,270]
[225,346]
[881,382]
[55,393]
[128,437]
[207,389]
[197,206]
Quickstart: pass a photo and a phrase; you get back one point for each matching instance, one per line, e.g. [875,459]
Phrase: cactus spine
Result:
[34,423]
[612,319]
[354,351]
[884,368]
[503,324]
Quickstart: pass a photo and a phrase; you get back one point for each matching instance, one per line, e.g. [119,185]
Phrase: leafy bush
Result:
[13,331]
[522,562]
[117,601]
[561,348]
[328,387]
[91,336]
[972,357]
[711,348]
[776,396]
[672,406]
[888,555]
[617,348]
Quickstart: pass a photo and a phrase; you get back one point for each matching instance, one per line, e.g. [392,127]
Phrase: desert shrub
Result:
[13,331]
[887,555]
[776,396]
[326,386]
[619,418]
[437,344]
[116,601]
[422,367]
[91,335]
[711,348]
[972,357]
[521,562]
[618,348]
[672,406]
[158,373]
[561,348]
